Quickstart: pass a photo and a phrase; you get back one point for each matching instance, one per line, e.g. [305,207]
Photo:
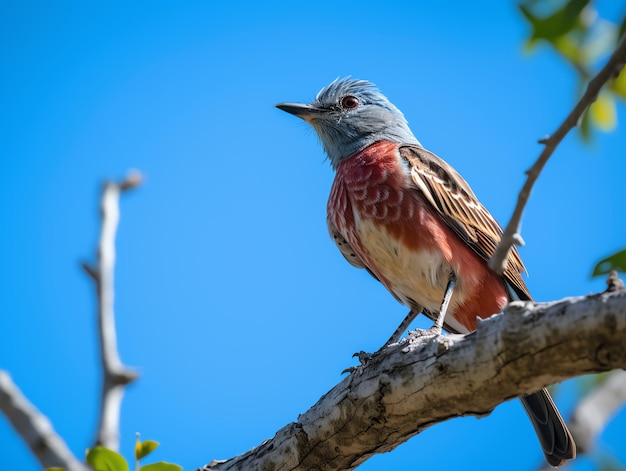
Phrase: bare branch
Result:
[613,282]
[597,409]
[35,428]
[512,234]
[132,180]
[92,272]
[32,425]
[418,383]
[115,374]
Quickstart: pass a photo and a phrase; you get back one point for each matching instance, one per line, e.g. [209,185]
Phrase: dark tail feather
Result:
[556,440]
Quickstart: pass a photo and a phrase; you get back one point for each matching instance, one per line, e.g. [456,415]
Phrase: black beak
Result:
[305,112]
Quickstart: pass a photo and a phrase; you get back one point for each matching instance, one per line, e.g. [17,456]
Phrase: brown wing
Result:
[453,198]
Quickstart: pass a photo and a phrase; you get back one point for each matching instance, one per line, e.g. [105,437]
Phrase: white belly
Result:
[420,276]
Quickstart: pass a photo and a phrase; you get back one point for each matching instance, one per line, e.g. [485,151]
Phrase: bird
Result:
[406,216]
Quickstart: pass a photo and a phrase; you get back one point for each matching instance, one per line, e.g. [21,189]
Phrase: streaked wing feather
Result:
[453,198]
[348,252]
[344,247]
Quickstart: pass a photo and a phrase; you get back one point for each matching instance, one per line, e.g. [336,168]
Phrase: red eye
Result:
[349,102]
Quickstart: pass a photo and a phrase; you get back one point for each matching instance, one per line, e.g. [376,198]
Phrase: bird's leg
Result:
[364,357]
[436,329]
[395,337]
[447,295]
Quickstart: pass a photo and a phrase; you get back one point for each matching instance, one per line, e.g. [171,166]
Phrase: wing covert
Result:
[451,196]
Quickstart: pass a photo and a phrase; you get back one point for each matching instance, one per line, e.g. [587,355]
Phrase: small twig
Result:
[613,282]
[115,374]
[92,272]
[35,428]
[132,180]
[512,236]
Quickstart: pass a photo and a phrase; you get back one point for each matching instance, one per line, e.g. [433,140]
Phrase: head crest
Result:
[348,86]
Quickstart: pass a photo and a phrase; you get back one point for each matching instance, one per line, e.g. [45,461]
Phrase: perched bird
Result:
[413,222]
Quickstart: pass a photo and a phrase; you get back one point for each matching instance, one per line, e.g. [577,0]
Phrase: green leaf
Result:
[161,466]
[617,261]
[566,47]
[608,462]
[603,112]
[557,24]
[532,19]
[143,449]
[618,86]
[622,28]
[103,459]
[585,384]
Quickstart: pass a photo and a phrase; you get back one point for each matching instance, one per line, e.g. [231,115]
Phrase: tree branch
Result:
[512,234]
[35,428]
[115,375]
[597,409]
[418,383]
[32,425]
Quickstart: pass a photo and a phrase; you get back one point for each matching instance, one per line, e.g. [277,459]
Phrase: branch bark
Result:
[423,381]
[115,375]
[512,233]
[35,428]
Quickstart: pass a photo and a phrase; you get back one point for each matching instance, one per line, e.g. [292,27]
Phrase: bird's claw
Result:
[363,357]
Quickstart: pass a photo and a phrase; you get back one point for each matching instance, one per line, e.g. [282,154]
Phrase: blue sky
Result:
[232,302]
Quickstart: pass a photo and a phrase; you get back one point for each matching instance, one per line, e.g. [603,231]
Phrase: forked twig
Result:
[512,234]
[115,375]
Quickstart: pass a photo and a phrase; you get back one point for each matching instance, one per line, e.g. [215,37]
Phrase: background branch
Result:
[413,385]
[594,412]
[115,375]
[512,234]
[35,428]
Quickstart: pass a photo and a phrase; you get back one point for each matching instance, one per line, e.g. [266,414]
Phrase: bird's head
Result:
[350,115]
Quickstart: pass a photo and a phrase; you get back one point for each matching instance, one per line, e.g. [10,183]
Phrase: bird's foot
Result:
[364,358]
[434,331]
[426,338]
[418,338]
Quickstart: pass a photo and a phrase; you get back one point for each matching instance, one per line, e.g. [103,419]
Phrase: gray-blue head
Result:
[350,115]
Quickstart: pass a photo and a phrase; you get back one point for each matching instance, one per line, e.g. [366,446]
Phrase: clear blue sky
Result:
[232,302]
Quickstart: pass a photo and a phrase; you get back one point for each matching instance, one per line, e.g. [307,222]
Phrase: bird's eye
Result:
[349,102]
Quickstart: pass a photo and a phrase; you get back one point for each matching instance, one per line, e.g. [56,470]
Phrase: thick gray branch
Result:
[35,428]
[115,375]
[418,383]
[512,234]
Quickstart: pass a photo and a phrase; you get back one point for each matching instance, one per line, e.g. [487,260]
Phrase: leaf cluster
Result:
[575,30]
[100,458]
